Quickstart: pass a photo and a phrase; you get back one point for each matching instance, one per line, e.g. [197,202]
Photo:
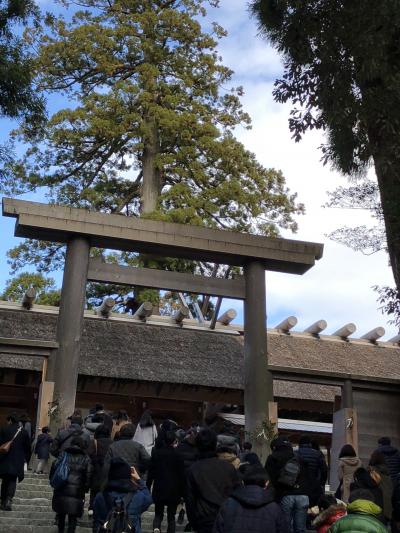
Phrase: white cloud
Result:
[338,288]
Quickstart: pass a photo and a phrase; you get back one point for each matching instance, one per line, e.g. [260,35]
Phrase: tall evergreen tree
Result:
[342,74]
[150,130]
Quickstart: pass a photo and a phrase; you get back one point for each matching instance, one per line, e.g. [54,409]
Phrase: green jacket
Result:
[361,518]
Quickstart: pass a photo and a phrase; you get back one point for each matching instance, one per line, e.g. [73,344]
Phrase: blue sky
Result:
[339,287]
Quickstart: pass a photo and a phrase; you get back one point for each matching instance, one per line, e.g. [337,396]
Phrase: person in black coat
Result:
[294,499]
[64,437]
[167,475]
[42,450]
[12,463]
[317,469]
[209,482]
[69,499]
[251,508]
[392,456]
[97,451]
[187,448]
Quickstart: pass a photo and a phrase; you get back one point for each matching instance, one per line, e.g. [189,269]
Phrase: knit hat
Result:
[119,469]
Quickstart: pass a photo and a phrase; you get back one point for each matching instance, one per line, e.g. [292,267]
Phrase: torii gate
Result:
[81,229]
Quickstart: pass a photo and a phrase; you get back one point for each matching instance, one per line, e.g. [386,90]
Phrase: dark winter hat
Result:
[119,469]
[127,432]
[102,431]
[361,494]
[384,441]
[280,442]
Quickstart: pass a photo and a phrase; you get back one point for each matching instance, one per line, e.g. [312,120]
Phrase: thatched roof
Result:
[131,350]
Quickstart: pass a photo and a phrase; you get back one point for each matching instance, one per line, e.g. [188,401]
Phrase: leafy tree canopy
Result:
[342,74]
[150,128]
[46,293]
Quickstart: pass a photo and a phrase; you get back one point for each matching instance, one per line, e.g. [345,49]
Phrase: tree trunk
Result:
[388,176]
[151,188]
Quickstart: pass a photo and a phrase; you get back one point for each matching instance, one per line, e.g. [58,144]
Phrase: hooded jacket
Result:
[347,467]
[392,457]
[328,517]
[251,509]
[361,518]
[119,488]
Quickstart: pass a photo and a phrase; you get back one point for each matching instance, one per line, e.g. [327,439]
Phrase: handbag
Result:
[60,473]
[5,448]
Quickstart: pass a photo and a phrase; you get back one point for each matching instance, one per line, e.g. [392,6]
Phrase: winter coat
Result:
[64,438]
[167,474]
[361,518]
[42,447]
[146,437]
[392,458]
[12,463]
[251,509]
[132,452]
[97,453]
[274,464]
[346,469]
[396,499]
[328,517]
[188,452]
[70,498]
[140,502]
[386,486]
[209,482]
[315,463]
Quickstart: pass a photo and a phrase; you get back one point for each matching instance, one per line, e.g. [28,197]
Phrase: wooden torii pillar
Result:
[81,229]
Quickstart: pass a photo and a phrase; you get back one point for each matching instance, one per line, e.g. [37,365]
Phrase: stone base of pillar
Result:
[344,431]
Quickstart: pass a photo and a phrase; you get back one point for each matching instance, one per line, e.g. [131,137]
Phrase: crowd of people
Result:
[219,486]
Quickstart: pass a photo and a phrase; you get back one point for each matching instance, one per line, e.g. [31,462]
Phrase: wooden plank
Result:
[161,279]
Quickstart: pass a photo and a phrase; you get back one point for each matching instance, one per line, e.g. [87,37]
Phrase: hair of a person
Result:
[146,419]
[347,451]
[102,432]
[305,440]
[315,445]
[76,420]
[280,442]
[361,475]
[255,475]
[326,500]
[206,440]
[384,441]
[169,438]
[122,415]
[45,429]
[24,418]
[377,458]
[127,431]
[361,494]
[224,448]
[13,418]
[99,407]
[247,446]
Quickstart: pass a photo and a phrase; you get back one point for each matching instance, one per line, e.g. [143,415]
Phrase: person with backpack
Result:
[70,476]
[64,437]
[167,475]
[289,479]
[15,445]
[251,508]
[118,508]
[209,482]
[42,450]
[97,451]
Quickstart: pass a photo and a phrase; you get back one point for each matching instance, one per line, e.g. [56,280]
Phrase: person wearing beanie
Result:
[392,456]
[362,515]
[209,482]
[251,508]
[122,480]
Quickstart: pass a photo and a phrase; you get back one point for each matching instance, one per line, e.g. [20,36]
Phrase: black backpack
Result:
[289,472]
[118,520]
